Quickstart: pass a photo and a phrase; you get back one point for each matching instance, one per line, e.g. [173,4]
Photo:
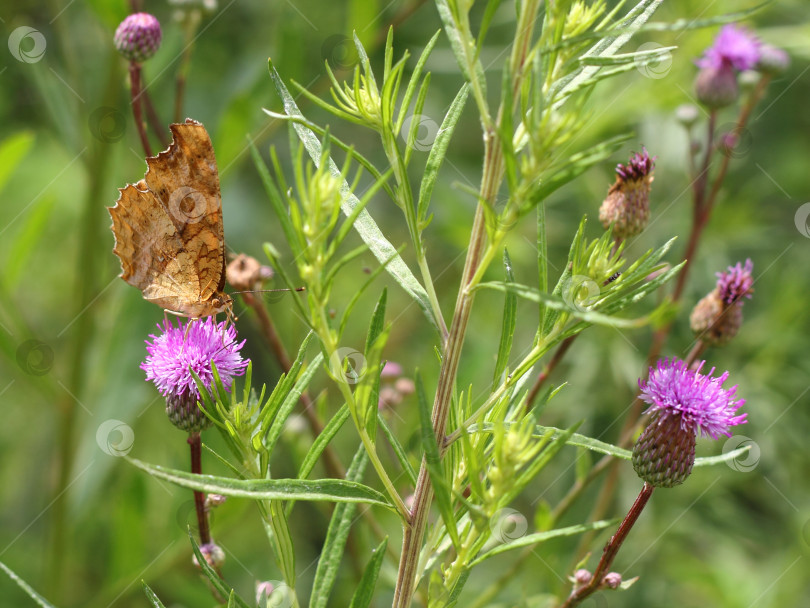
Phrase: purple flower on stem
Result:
[736,283]
[177,351]
[735,47]
[699,401]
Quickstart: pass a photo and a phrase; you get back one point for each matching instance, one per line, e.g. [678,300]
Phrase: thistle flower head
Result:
[698,401]
[683,403]
[177,351]
[138,37]
[637,168]
[734,46]
[736,283]
[627,205]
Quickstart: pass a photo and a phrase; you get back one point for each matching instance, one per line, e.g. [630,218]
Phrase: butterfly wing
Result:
[168,227]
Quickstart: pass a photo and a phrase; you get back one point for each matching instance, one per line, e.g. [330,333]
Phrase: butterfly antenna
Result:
[270,290]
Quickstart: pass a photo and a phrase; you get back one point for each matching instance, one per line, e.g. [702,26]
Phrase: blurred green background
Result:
[84,527]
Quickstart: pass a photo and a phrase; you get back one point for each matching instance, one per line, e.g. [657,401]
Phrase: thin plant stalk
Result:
[611,549]
[135,91]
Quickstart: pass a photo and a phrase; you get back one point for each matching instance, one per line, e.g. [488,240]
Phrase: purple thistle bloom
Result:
[639,166]
[177,350]
[735,47]
[736,283]
[700,401]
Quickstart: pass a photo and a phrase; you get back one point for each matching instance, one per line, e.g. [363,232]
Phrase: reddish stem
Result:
[135,92]
[154,120]
[199,497]
[611,549]
[550,366]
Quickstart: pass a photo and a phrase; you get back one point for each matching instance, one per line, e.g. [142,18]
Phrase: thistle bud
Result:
[582,576]
[716,87]
[717,318]
[612,580]
[627,205]
[664,453]
[138,37]
[185,414]
[687,114]
[213,554]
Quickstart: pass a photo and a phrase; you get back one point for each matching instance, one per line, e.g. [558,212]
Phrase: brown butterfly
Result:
[168,228]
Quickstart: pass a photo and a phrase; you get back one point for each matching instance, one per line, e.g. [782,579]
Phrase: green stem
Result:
[330,345]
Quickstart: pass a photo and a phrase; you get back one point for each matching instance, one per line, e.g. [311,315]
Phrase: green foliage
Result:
[527,106]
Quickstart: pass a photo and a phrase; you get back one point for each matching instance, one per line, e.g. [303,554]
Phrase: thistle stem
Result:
[199,497]
[611,549]
[135,92]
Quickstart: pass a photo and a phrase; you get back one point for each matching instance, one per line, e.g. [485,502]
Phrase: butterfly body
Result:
[168,228]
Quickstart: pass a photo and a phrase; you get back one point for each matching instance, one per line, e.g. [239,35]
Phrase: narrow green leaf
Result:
[438,151]
[466,56]
[399,451]
[12,150]
[365,590]
[539,537]
[286,394]
[382,249]
[41,601]
[416,73]
[336,536]
[434,465]
[150,595]
[575,166]
[319,490]
[368,390]
[507,324]
[274,195]
[558,303]
[322,440]
[595,445]
[608,45]
[542,259]
[639,58]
